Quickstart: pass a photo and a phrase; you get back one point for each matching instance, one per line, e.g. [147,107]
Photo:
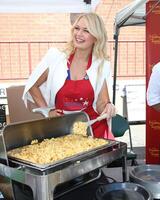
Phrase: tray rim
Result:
[148,167]
[75,158]
[122,185]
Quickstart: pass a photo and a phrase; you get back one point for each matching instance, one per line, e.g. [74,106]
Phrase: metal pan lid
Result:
[148,176]
[122,191]
[147,173]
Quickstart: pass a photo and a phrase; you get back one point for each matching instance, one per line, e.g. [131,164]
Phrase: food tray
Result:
[77,158]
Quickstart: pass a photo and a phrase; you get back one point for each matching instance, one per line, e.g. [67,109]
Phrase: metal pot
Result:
[147,176]
[122,191]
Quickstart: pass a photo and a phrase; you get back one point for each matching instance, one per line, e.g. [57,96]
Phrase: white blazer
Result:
[56,62]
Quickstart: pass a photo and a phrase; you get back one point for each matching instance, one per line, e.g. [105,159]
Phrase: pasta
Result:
[80,128]
[55,149]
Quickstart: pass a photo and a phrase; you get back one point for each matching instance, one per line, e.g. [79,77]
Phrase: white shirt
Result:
[56,62]
[153,91]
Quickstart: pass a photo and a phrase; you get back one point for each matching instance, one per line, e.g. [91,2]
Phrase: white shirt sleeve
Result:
[153,91]
[46,61]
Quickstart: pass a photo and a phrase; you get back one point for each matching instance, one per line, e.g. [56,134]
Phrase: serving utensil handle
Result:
[104,116]
[43,111]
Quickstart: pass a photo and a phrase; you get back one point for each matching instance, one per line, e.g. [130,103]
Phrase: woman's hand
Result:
[110,109]
[55,113]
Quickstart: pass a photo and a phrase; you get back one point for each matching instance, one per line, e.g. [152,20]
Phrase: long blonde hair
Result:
[96,27]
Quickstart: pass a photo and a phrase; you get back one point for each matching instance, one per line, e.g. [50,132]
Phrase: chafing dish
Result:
[44,179]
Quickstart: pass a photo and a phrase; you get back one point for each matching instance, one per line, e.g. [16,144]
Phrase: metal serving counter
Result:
[43,180]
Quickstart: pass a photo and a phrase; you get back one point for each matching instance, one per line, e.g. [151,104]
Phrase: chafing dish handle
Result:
[12,173]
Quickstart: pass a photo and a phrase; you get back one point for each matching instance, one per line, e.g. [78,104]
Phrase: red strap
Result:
[71,58]
[89,61]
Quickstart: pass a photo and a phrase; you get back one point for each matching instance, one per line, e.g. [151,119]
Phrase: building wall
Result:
[56,27]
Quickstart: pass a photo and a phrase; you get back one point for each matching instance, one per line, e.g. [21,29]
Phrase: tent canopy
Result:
[132,14]
[47,6]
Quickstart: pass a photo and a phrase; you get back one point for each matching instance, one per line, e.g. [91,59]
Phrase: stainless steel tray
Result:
[70,160]
[21,134]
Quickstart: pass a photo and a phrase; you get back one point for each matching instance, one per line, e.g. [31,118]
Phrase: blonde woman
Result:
[76,79]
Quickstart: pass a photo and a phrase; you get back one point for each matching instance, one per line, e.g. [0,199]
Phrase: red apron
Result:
[79,95]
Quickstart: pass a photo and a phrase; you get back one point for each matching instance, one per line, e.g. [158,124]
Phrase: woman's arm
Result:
[36,93]
[38,97]
[103,98]
[103,102]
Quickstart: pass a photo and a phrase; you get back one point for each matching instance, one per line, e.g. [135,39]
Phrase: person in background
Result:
[77,78]
[153,90]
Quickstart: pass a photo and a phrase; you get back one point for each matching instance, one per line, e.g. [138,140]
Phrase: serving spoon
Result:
[104,116]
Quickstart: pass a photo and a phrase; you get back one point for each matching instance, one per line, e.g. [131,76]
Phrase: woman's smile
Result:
[79,40]
[82,38]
